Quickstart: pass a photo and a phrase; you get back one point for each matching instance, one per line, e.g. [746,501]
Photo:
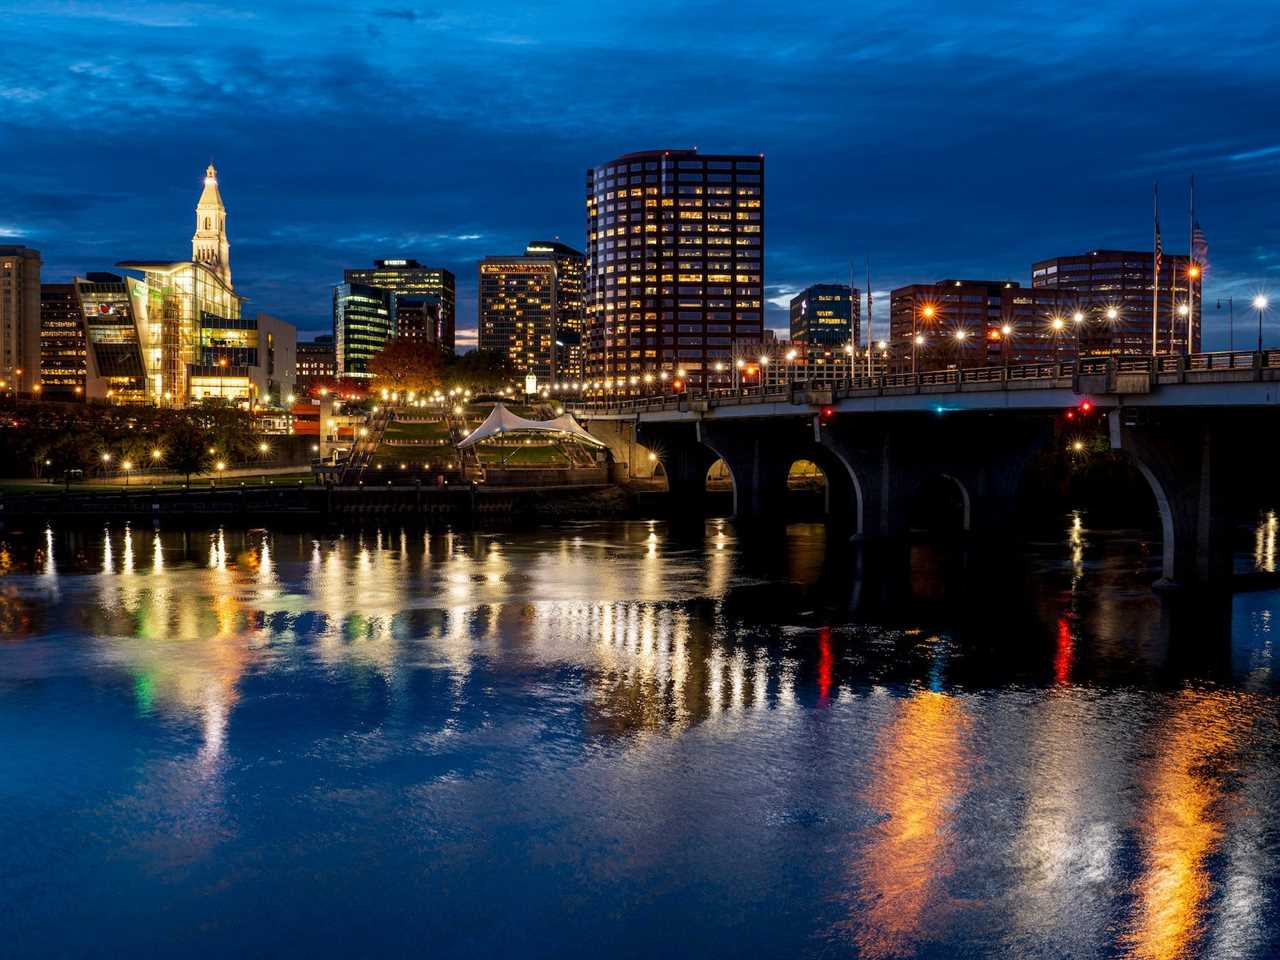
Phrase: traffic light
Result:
[826,416]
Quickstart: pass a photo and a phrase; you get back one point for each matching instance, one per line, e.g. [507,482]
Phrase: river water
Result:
[631,740]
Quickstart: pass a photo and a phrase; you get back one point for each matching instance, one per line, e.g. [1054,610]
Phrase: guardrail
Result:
[1233,365]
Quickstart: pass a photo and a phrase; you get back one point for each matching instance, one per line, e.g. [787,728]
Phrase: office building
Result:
[417,318]
[405,277]
[517,312]
[19,318]
[62,347]
[571,286]
[675,258]
[1113,289]
[826,314]
[316,365]
[362,325]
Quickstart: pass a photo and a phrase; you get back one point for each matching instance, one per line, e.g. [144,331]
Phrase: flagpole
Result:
[1155,264]
[1191,252]
[870,320]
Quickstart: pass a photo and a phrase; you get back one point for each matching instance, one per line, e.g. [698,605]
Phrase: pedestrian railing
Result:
[1231,365]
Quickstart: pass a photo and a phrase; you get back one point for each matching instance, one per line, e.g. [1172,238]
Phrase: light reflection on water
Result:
[613,732]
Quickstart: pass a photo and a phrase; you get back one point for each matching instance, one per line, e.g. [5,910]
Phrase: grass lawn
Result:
[523,456]
[438,430]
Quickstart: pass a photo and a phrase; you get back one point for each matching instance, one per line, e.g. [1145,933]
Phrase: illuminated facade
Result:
[362,325]
[62,346]
[317,364]
[405,277]
[1113,288]
[571,287]
[19,318]
[176,304]
[209,244]
[825,314]
[518,299]
[115,368]
[417,318]
[675,257]
[968,323]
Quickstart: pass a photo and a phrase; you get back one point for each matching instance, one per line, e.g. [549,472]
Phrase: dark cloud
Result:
[937,140]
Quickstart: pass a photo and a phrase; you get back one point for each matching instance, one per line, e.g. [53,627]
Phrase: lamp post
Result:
[928,312]
[222,375]
[126,466]
[1006,335]
[960,335]
[791,359]
[916,343]
[1077,318]
[737,373]
[1260,304]
[1193,274]
[1056,324]
[1231,323]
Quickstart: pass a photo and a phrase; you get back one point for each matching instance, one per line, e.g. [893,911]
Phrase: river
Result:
[631,740]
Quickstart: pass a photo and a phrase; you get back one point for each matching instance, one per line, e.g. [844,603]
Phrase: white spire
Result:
[209,243]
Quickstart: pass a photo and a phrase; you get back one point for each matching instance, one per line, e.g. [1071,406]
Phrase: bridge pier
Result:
[1187,459]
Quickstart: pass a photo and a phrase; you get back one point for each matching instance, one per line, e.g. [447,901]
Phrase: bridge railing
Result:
[1161,369]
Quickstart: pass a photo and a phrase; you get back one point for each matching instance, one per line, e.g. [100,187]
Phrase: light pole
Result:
[222,375]
[960,336]
[928,312]
[1260,304]
[1231,323]
[1077,318]
[1057,323]
[791,359]
[916,343]
[1193,274]
[1006,336]
[126,466]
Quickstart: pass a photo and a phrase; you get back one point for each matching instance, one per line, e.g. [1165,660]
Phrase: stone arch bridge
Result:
[1192,426]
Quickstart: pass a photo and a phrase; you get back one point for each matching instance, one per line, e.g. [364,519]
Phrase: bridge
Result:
[1192,425]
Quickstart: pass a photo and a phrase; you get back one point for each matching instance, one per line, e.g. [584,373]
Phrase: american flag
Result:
[1159,242]
[1199,245]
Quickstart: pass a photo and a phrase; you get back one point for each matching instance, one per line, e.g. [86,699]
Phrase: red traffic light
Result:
[826,414]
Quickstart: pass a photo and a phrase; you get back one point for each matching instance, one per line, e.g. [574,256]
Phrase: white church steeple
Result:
[209,243]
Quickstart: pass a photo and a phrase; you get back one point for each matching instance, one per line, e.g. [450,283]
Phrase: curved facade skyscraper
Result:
[675,261]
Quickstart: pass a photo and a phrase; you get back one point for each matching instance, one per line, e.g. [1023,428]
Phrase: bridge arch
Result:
[941,502]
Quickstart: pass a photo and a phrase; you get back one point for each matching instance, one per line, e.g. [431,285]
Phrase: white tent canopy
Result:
[502,420]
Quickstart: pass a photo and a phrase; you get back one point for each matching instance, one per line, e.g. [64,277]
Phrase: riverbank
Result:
[284,499]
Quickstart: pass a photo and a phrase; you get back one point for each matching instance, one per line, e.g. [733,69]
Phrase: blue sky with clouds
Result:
[940,138]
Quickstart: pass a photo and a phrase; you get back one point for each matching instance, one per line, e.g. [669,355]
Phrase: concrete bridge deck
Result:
[1241,378]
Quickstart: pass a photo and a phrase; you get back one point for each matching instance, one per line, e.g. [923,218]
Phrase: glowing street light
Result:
[1260,304]
[1112,313]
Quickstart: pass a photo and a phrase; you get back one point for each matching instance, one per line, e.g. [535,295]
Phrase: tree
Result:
[186,448]
[482,370]
[407,365]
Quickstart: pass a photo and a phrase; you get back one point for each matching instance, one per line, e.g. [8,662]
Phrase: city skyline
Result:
[858,177]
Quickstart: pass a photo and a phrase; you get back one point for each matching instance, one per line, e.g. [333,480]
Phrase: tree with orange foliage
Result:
[407,365]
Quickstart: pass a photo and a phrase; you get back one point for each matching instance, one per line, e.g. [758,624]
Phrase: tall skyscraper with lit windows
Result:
[675,261]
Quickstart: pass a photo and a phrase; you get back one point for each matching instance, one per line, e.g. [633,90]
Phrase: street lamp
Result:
[1260,304]
[1057,324]
[960,336]
[916,342]
[126,466]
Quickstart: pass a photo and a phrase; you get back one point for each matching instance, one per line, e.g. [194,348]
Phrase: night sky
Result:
[940,138]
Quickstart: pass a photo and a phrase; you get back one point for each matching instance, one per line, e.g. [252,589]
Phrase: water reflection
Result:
[904,871]
[1067,763]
